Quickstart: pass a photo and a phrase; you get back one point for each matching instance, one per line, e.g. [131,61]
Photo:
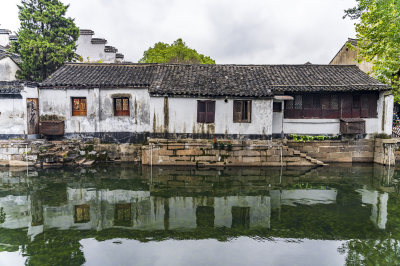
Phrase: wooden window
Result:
[298,102]
[82,213]
[240,217]
[205,111]
[121,106]
[277,107]
[123,214]
[242,111]
[79,107]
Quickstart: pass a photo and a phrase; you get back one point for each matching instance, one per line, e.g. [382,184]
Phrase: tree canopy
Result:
[378,34]
[177,52]
[46,38]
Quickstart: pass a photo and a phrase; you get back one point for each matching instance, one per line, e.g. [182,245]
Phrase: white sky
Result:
[230,31]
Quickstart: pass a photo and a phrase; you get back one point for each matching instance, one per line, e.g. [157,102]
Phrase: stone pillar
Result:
[385,151]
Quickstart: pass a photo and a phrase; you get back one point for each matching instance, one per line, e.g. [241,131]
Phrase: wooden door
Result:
[32,105]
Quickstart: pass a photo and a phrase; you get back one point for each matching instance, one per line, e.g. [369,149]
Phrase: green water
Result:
[130,215]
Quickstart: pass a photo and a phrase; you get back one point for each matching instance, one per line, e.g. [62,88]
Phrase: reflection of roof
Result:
[216,80]
[98,41]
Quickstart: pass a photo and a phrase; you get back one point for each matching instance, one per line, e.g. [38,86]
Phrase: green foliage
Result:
[46,38]
[379,39]
[306,138]
[177,52]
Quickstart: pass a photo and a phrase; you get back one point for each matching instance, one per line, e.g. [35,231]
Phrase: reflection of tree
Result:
[383,250]
[56,248]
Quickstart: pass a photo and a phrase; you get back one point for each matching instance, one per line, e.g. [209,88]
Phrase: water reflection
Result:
[47,215]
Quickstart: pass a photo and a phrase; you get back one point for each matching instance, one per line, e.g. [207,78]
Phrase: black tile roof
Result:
[110,49]
[119,55]
[11,89]
[98,41]
[86,32]
[5,31]
[15,57]
[85,75]
[260,80]
[216,80]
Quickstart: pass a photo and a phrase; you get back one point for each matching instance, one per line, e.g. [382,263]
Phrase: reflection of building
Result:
[379,206]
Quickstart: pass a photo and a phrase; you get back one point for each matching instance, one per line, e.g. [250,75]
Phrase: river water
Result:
[134,215]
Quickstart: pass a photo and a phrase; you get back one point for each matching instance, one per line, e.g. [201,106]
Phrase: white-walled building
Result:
[131,101]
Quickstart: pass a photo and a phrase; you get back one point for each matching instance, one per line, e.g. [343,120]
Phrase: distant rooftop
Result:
[119,55]
[86,32]
[5,31]
[110,49]
[99,41]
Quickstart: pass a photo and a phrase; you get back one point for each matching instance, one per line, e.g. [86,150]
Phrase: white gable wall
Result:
[8,69]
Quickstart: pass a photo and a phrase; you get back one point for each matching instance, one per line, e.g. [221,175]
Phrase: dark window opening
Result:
[277,106]
[79,107]
[121,106]
[205,216]
[240,217]
[241,111]
[82,213]
[356,101]
[123,214]
[205,111]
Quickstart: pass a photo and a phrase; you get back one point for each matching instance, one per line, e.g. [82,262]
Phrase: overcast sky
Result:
[230,31]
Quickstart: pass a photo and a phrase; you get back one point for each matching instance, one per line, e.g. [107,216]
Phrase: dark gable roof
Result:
[119,55]
[98,41]
[110,49]
[85,75]
[216,80]
[260,80]
[86,32]
[11,89]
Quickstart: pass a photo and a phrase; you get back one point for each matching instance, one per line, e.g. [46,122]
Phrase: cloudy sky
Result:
[230,31]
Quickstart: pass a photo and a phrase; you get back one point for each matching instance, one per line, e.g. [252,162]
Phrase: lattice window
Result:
[79,107]
[241,111]
[298,102]
[289,104]
[82,213]
[205,111]
[334,102]
[121,106]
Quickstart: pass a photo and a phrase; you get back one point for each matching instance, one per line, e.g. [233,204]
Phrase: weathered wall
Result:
[202,153]
[347,56]
[100,116]
[8,69]
[182,118]
[277,120]
[349,151]
[13,114]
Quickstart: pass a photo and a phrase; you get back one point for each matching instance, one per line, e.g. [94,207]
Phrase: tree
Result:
[378,32]
[177,52]
[46,38]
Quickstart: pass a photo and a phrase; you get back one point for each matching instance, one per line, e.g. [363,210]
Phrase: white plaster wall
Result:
[86,49]
[277,120]
[388,120]
[311,126]
[8,69]
[183,117]
[109,57]
[13,113]
[100,116]
[4,39]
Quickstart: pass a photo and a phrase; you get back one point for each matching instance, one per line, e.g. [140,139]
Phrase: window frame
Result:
[277,107]
[121,112]
[238,117]
[208,115]
[82,111]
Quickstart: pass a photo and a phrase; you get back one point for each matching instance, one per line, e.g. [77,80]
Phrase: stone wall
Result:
[349,151]
[243,153]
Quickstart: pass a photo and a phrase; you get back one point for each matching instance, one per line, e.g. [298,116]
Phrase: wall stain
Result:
[135,106]
[166,115]
[154,121]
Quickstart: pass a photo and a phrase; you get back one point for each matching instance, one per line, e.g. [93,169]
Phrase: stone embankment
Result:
[190,152]
[41,153]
